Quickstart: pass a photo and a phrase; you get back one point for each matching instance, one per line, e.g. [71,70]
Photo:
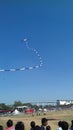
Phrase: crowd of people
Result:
[62,125]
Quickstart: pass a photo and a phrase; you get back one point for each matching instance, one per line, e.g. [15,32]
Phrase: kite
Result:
[25,40]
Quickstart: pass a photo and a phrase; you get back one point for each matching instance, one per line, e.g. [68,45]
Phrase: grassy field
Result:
[53,118]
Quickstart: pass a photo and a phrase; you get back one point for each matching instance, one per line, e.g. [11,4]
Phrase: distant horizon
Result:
[39,102]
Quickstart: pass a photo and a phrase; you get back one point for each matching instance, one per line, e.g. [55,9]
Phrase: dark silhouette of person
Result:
[37,127]
[44,123]
[32,124]
[65,125]
[10,125]
[1,127]
[59,125]
[71,128]
[48,127]
[19,126]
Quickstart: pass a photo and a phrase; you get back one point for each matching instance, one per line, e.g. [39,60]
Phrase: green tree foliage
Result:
[3,106]
[17,103]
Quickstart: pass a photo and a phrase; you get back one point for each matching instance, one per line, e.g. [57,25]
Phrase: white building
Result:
[65,102]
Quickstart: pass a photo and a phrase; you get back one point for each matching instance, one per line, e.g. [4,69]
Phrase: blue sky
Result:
[49,26]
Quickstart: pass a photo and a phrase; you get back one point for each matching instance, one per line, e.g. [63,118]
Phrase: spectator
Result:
[32,124]
[48,127]
[20,126]
[71,128]
[10,125]
[44,123]
[1,127]
[59,125]
[65,125]
[37,127]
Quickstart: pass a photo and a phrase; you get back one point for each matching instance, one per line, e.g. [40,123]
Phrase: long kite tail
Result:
[30,67]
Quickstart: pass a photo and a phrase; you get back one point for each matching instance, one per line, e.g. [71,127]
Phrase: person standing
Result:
[10,125]
[44,123]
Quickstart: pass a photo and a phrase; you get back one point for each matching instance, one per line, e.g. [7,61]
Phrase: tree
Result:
[3,106]
[17,103]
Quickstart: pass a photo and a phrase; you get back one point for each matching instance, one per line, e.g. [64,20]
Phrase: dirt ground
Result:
[52,116]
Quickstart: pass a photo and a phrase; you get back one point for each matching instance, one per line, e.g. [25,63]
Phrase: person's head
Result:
[9,123]
[48,127]
[65,125]
[60,123]
[19,126]
[1,127]
[32,124]
[37,127]
[71,122]
[44,121]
